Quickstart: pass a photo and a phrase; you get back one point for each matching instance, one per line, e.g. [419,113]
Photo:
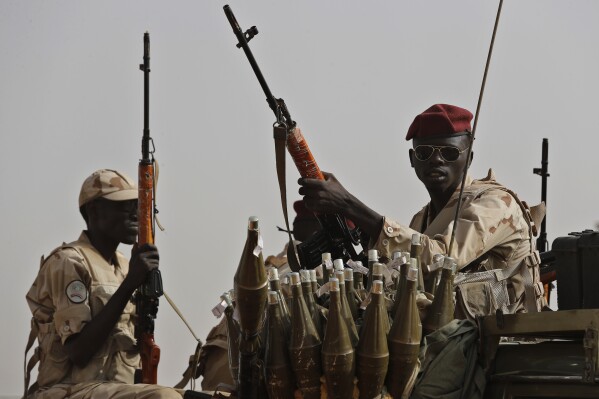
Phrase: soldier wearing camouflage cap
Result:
[495,230]
[83,316]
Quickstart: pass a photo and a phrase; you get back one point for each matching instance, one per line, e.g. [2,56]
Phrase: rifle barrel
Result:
[145,67]
[243,39]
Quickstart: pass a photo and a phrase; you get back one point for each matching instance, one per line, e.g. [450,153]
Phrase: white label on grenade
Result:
[357,267]
[258,248]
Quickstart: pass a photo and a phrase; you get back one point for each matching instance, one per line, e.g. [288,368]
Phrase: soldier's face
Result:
[117,219]
[439,162]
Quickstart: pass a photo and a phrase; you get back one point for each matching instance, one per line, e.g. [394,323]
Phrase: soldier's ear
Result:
[411,154]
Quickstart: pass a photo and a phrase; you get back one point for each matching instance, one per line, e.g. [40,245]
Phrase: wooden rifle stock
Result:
[302,156]
[147,295]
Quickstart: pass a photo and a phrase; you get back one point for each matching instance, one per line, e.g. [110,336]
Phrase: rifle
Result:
[147,295]
[338,235]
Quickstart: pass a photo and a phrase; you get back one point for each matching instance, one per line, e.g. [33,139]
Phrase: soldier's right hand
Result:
[143,260]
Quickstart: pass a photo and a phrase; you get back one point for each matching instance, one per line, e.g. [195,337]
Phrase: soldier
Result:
[495,229]
[83,315]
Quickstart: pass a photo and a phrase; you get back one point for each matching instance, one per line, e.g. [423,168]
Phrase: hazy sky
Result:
[353,73]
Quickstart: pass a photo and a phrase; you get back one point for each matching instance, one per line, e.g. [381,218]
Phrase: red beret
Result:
[301,212]
[440,120]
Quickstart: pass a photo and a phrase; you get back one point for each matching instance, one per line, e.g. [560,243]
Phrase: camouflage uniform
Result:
[73,285]
[495,231]
[214,359]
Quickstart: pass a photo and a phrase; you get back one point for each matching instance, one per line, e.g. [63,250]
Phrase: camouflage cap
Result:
[109,184]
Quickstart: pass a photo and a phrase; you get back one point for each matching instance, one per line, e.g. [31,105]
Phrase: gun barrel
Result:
[145,67]
[243,43]
[543,172]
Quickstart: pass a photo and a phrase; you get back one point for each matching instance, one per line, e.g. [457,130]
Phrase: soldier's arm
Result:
[484,223]
[81,347]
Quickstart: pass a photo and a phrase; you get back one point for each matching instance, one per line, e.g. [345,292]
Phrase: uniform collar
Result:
[83,238]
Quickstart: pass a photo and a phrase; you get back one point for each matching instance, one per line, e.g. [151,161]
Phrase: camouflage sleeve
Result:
[61,292]
[485,222]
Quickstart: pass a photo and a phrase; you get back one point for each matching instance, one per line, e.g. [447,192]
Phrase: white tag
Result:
[219,309]
[435,265]
[259,247]
[328,263]
[396,263]
[324,289]
[357,268]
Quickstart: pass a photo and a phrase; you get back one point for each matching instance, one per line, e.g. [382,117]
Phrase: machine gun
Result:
[548,259]
[147,295]
[338,235]
[543,172]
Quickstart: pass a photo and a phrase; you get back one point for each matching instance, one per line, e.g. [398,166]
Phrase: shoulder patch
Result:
[76,291]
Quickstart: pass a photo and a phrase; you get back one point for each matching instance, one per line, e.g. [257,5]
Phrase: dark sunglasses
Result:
[127,206]
[449,153]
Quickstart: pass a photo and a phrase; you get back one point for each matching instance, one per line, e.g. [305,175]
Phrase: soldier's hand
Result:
[329,196]
[143,260]
[325,196]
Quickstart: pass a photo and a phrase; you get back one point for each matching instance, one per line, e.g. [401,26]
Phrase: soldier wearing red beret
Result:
[495,229]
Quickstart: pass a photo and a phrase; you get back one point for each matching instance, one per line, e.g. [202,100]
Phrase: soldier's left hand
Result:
[325,196]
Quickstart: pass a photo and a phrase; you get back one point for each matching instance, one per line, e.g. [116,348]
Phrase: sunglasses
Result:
[127,206]
[449,153]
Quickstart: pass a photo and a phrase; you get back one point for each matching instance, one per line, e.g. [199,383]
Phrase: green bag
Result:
[450,367]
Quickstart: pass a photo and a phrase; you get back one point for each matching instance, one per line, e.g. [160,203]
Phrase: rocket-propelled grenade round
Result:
[404,340]
[442,309]
[373,351]
[280,382]
[304,344]
[338,357]
[251,287]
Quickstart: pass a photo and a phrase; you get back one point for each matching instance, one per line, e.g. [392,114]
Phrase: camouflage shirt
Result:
[495,231]
[73,285]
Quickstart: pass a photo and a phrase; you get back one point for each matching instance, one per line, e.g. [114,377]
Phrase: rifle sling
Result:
[280,132]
